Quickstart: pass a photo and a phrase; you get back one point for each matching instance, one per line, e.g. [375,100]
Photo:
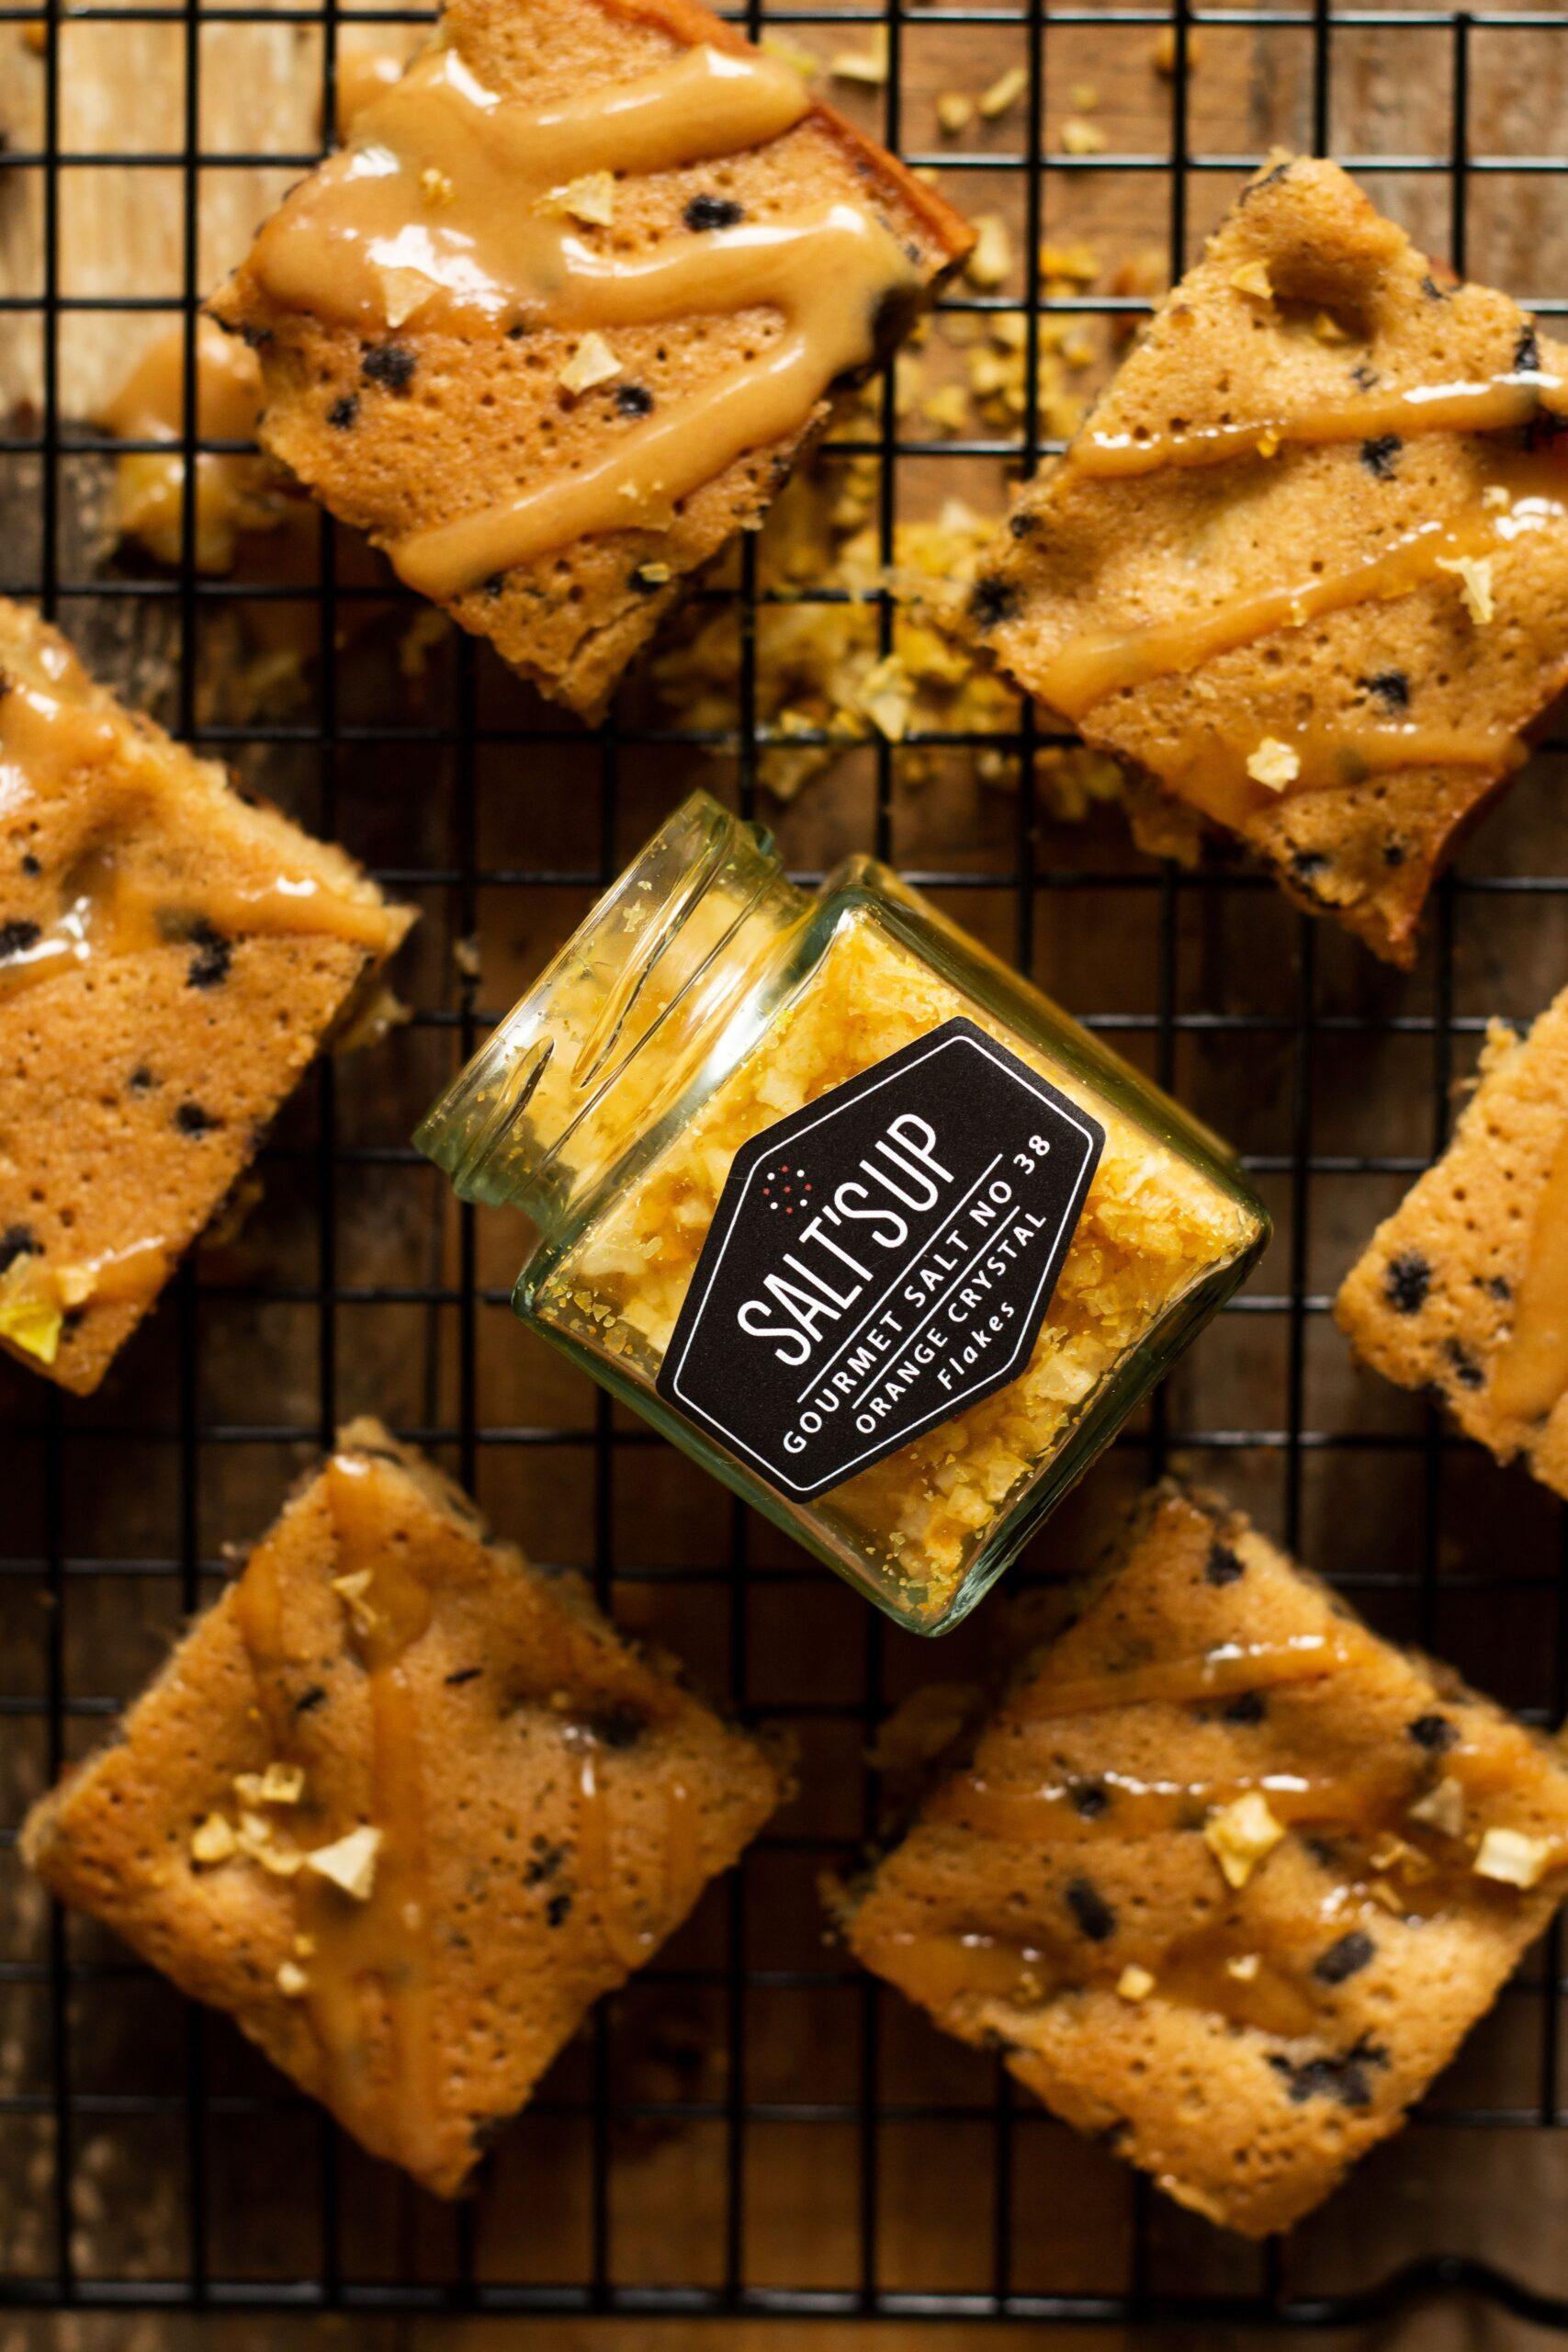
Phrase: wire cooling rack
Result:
[753,2127]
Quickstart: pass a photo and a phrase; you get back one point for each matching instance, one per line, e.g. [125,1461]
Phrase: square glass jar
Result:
[847,1209]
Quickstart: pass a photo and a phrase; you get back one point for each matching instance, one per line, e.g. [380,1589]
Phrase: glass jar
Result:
[842,1205]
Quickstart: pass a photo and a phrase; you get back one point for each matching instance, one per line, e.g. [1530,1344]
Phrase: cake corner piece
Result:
[404,1808]
[1226,1877]
[1319,423]
[170,957]
[551,430]
[1464,1288]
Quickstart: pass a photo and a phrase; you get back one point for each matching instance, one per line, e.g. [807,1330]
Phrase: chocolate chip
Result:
[1432,290]
[1393,853]
[1222,1565]
[1526,350]
[1306,865]
[557,1910]
[543,1863]
[1346,1958]
[618,1727]
[254,338]
[1363,377]
[1498,1286]
[30,865]
[1391,687]
[713,212]
[17,1241]
[17,937]
[311,1698]
[1021,526]
[1247,1707]
[141,1080]
[1092,1912]
[463,1674]
[1406,1281]
[192,1120]
[1088,1800]
[1379,455]
[390,364]
[991,602]
[1436,1733]
[1341,2078]
[344,414]
[208,967]
[633,399]
[1467,1371]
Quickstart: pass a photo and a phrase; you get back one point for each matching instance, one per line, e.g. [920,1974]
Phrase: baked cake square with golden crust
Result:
[1464,1288]
[560,317]
[170,957]
[1224,1876]
[404,1808]
[1306,567]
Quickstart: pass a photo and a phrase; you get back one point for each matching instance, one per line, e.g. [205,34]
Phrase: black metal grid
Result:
[1147,2288]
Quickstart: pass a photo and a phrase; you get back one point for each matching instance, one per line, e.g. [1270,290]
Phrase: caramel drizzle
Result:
[49,731]
[1529,1373]
[1047,1814]
[1417,1880]
[1222,1672]
[370,1960]
[629,1941]
[1494,406]
[363,244]
[119,914]
[942,1969]
[360,80]
[1213,773]
[52,730]
[370,1964]
[381,1948]
[1090,667]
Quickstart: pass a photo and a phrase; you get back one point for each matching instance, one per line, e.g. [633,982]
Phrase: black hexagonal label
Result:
[881,1259]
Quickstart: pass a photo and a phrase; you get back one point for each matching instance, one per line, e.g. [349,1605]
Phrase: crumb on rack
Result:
[1003,94]
[868,65]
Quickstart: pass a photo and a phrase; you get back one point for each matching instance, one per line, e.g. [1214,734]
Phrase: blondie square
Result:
[1464,1288]
[1306,567]
[560,317]
[1224,1876]
[170,957]
[404,1808]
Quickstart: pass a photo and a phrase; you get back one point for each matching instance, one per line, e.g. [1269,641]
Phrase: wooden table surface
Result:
[1496,2193]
